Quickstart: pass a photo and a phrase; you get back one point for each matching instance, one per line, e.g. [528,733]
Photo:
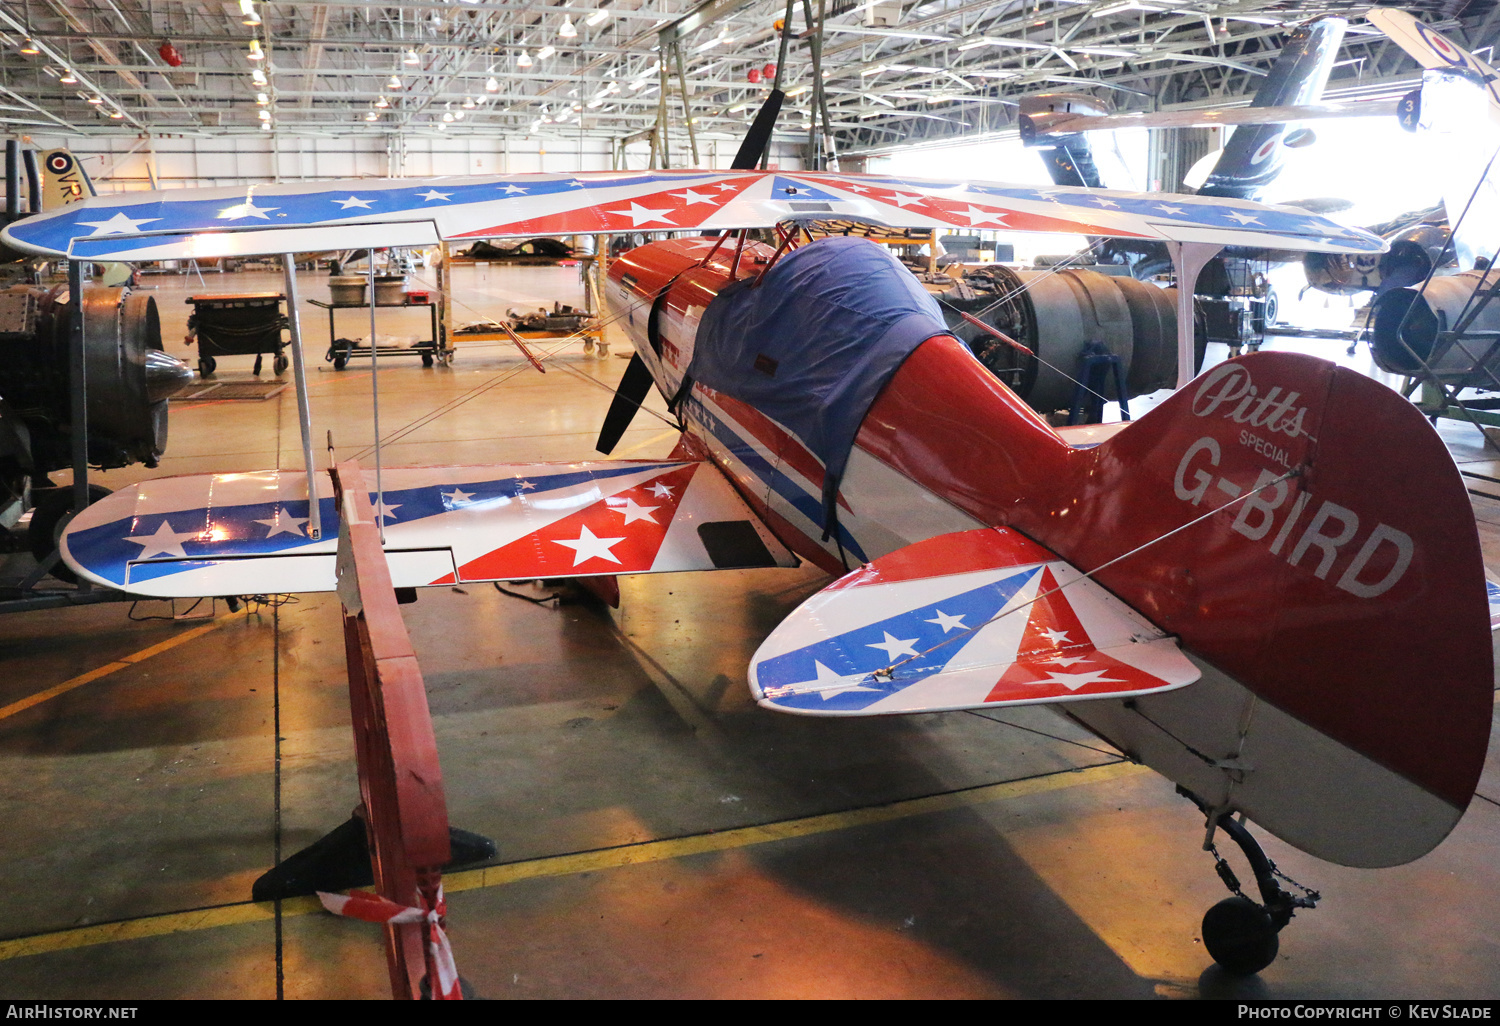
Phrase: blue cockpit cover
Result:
[816,341]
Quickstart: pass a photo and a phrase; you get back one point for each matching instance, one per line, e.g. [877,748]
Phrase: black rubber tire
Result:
[52,504]
[280,364]
[340,362]
[1272,307]
[1240,936]
[206,366]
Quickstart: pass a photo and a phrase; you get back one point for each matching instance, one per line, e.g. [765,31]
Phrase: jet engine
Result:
[128,379]
[1057,314]
[1407,326]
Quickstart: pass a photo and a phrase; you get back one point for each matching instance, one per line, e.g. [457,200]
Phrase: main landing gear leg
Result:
[1240,933]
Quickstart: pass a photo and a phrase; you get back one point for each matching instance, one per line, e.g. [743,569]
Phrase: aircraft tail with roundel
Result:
[1269,589]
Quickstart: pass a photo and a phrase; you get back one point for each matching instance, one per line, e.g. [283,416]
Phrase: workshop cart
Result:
[342,350]
[238,324]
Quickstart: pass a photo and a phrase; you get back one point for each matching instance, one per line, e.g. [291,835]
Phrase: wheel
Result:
[258,358]
[1272,307]
[280,364]
[1240,936]
[340,362]
[52,505]
[426,359]
[206,365]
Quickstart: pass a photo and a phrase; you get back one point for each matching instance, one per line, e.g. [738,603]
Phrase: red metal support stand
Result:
[400,782]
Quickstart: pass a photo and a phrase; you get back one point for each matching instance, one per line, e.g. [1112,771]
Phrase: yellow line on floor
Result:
[582,862]
[124,662]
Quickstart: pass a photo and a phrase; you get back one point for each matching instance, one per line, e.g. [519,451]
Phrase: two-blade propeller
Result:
[635,385]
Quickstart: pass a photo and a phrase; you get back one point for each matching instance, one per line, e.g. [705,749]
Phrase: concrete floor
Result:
[616,758]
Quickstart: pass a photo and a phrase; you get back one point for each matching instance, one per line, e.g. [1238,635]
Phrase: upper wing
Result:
[180,223]
[246,534]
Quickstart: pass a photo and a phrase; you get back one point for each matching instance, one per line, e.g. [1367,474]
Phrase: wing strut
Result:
[1188,259]
[304,407]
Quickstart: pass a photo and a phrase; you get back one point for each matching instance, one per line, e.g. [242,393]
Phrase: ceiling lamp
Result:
[411,58]
[492,86]
[247,10]
[372,116]
[382,103]
[256,53]
[597,18]
[96,100]
[523,61]
[68,78]
[257,76]
[545,52]
[29,48]
[447,115]
[566,29]
[394,83]
[262,99]
[265,126]
[469,103]
[265,115]
[458,115]
[116,114]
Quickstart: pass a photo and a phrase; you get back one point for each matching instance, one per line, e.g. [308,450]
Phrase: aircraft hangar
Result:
[274,271]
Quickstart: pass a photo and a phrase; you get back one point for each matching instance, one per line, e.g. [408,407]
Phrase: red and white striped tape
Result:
[372,908]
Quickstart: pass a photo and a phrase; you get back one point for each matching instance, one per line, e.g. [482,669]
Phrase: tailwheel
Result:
[1242,935]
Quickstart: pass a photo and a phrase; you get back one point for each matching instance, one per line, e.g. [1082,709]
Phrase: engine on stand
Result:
[1076,322]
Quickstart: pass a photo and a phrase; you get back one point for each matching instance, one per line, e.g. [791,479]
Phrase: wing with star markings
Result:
[962,621]
[181,223]
[246,534]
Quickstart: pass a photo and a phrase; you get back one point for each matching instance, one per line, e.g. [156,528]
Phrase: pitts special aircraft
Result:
[1235,589]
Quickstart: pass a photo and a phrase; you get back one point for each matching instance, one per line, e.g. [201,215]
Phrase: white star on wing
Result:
[1243,218]
[433,194]
[856,188]
[1067,660]
[722,186]
[165,542]
[353,201]
[1167,208]
[586,546]
[661,491]
[642,215]
[905,199]
[946,622]
[284,523]
[1105,202]
[458,495]
[524,486]
[826,684]
[633,512]
[117,225]
[384,509]
[977,216]
[512,189]
[246,209]
[1056,637]
[690,197]
[1074,681]
[893,646]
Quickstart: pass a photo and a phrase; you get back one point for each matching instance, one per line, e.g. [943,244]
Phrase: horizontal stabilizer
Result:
[247,534]
[962,621]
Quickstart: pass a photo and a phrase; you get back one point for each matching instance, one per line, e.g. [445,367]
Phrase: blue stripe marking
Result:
[808,505]
[857,654]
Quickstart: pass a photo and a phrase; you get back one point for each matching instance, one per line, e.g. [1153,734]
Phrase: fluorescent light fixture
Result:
[50,70]
[566,29]
[798,91]
[257,76]
[256,53]
[545,52]
[637,84]
[458,115]
[599,17]
[1122,7]
[973,44]
[411,58]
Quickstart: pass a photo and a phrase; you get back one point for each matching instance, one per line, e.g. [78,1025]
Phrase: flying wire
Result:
[887,672]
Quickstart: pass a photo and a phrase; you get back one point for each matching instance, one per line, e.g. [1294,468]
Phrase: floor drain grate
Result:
[240,390]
